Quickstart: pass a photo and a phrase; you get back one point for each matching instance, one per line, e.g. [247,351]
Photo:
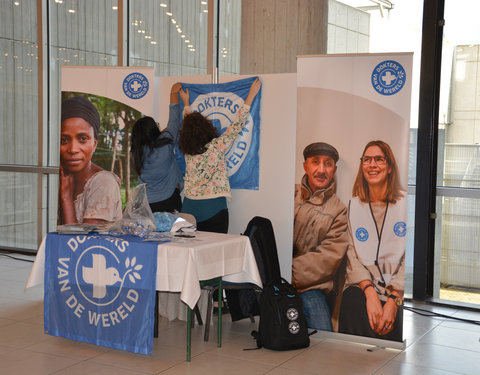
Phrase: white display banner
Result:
[355,110]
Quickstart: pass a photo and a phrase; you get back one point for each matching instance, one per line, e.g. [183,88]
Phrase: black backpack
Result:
[282,322]
[244,303]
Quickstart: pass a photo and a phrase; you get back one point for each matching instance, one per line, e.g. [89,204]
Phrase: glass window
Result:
[457,256]
[18,216]
[81,33]
[170,35]
[230,34]
[18,123]
[18,83]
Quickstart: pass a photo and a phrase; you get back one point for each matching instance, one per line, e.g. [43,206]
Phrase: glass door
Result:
[457,239]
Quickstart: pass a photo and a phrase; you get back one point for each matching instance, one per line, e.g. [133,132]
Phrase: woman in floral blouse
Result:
[206,186]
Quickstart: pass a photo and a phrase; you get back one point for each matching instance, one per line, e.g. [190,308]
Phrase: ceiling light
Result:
[169,14]
[71,11]
[163,5]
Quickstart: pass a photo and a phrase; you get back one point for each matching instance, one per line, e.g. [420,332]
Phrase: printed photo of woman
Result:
[87,193]
[373,295]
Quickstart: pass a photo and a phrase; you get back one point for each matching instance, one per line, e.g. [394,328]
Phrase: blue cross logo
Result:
[100,276]
[388,77]
[400,229]
[361,234]
[135,85]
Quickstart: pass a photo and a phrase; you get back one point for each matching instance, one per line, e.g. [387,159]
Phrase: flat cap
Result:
[320,148]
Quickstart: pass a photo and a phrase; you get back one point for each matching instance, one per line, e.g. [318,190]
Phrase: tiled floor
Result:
[434,345]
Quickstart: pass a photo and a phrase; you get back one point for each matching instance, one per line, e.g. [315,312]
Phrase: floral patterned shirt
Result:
[100,198]
[206,175]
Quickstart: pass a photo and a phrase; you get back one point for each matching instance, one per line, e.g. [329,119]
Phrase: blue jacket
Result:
[160,171]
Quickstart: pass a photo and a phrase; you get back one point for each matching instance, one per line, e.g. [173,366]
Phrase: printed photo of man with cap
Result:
[320,238]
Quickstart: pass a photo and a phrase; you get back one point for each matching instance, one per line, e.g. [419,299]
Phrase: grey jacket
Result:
[320,238]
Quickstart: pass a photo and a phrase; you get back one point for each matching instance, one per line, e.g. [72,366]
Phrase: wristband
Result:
[367,286]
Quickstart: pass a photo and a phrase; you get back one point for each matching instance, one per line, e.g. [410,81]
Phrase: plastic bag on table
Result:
[137,218]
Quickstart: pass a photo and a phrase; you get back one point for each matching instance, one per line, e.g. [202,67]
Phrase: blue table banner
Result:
[220,104]
[100,289]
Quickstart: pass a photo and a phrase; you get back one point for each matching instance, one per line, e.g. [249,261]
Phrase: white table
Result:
[183,263]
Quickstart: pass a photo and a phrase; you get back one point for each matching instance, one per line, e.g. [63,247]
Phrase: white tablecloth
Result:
[182,264]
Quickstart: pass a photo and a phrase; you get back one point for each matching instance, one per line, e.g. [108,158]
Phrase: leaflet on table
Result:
[76,228]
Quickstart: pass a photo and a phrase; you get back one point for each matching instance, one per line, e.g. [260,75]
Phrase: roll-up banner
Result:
[353,114]
[99,303]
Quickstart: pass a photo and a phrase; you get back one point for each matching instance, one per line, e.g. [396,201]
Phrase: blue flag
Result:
[101,289]
[220,104]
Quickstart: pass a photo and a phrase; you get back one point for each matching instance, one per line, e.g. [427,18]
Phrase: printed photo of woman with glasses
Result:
[373,294]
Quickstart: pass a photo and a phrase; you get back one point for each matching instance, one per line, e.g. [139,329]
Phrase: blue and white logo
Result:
[103,276]
[135,85]
[220,103]
[221,109]
[101,289]
[99,268]
[388,77]
[361,234]
[400,229]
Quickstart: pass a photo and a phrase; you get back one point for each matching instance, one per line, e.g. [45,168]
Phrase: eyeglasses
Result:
[379,160]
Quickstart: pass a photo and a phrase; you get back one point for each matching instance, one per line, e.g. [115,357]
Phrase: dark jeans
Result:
[168,205]
[316,310]
[217,223]
[354,318]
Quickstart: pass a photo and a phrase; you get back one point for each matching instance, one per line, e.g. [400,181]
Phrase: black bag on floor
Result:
[282,322]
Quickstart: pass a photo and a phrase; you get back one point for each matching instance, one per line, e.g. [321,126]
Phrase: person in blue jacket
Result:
[153,156]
